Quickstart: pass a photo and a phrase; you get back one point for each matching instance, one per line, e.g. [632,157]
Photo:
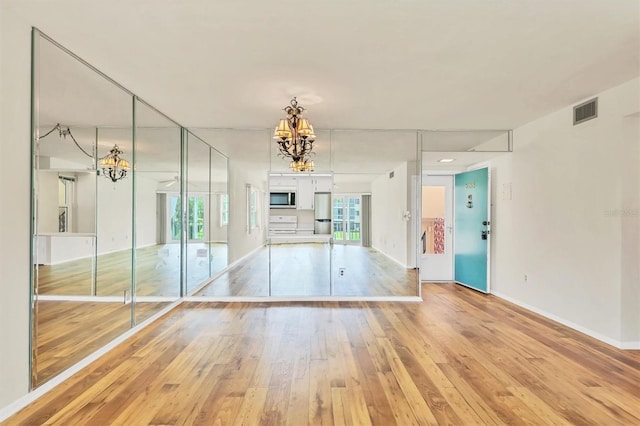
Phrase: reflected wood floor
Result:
[157,271]
[307,269]
[459,358]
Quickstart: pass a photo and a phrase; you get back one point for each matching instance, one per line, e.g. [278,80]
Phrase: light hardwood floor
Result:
[459,358]
[69,331]
[308,269]
[157,271]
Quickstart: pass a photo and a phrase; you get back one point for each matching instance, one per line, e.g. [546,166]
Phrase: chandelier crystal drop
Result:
[295,138]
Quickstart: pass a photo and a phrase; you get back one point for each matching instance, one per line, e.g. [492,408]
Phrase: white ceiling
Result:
[409,64]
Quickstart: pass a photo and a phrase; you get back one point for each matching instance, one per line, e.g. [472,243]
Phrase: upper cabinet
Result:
[305,194]
[322,184]
[308,186]
[305,186]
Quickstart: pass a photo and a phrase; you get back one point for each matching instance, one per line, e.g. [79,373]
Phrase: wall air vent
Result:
[585,111]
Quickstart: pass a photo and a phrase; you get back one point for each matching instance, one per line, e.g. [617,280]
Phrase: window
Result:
[253,209]
[195,217]
[66,195]
[223,202]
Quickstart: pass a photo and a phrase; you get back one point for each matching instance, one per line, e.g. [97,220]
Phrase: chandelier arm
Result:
[64,133]
[77,144]
[56,127]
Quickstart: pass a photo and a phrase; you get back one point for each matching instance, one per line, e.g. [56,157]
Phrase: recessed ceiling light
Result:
[446,160]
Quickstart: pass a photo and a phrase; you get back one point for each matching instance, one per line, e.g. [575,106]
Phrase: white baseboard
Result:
[274,299]
[226,269]
[390,257]
[27,399]
[599,336]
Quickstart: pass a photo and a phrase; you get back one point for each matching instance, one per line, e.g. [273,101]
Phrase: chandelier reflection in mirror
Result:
[114,167]
[295,138]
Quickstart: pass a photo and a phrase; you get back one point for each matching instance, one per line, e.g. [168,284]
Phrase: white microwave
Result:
[282,199]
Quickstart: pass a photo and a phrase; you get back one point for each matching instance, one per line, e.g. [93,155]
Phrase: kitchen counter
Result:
[311,238]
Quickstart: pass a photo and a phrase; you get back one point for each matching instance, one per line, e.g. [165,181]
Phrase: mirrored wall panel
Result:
[239,212]
[83,127]
[131,211]
[157,183]
[373,229]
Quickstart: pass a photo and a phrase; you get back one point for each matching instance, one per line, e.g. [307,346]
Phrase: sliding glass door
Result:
[347,219]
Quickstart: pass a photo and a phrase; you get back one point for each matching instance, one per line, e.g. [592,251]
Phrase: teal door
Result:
[471,239]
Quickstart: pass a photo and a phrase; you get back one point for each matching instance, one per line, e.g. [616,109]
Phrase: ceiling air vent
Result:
[585,111]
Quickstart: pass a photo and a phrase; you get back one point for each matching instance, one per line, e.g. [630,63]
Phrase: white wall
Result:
[352,188]
[388,201]
[432,201]
[15,188]
[146,206]
[630,230]
[47,202]
[561,225]
[218,233]
[85,215]
[114,215]
[241,242]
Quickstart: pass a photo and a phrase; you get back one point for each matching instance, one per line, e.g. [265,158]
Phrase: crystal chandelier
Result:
[113,166]
[295,137]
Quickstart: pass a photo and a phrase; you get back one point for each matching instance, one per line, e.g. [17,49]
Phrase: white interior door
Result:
[436,229]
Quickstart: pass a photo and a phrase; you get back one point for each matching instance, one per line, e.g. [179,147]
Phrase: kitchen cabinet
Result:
[308,186]
[306,191]
[305,186]
[322,184]
[282,182]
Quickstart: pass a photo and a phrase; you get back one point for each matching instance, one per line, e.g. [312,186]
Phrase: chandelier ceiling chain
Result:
[113,166]
[295,137]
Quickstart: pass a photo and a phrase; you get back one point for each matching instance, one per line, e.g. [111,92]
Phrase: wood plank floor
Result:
[296,270]
[157,271]
[70,331]
[308,269]
[459,358]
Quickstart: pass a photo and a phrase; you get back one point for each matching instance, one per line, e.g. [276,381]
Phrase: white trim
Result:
[599,336]
[32,396]
[470,287]
[390,258]
[103,299]
[447,180]
[275,299]
[227,268]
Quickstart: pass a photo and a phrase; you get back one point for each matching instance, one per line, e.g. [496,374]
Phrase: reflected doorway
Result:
[347,219]
[436,229]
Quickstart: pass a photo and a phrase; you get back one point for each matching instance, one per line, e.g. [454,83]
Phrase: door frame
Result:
[425,175]
[477,166]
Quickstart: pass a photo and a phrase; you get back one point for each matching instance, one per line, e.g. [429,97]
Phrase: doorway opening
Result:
[347,219]
[436,230]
